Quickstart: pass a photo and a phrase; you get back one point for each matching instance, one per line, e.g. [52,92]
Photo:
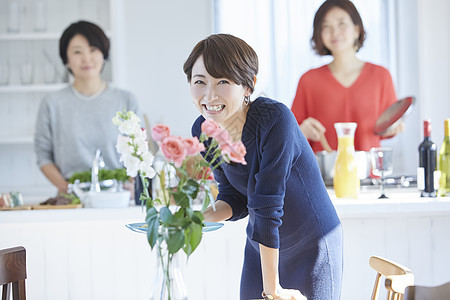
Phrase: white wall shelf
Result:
[17,88]
[17,140]
[30,54]
[31,36]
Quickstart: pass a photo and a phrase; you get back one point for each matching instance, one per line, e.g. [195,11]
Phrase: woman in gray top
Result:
[76,121]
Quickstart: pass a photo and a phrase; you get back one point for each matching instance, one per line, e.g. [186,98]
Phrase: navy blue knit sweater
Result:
[282,192]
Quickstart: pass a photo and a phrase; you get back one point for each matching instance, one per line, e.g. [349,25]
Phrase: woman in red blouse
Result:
[347,89]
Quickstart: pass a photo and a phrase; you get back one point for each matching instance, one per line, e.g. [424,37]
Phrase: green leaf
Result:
[148,204]
[181,199]
[151,213]
[194,238]
[175,241]
[197,217]
[180,213]
[103,174]
[191,188]
[166,215]
[207,200]
[152,221]
[180,219]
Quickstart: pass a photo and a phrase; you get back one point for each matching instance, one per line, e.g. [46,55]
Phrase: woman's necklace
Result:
[97,93]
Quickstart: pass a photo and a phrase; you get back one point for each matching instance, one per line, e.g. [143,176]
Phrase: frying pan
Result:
[393,115]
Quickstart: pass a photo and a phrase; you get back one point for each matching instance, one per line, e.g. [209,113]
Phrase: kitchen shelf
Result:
[19,102]
[33,36]
[29,36]
[32,88]
[18,140]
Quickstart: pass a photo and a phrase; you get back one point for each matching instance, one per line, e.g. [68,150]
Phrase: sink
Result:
[107,199]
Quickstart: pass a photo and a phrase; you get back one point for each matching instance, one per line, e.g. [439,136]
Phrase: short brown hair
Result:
[225,56]
[349,7]
[93,33]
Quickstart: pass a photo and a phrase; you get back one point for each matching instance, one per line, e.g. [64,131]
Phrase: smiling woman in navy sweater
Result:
[294,236]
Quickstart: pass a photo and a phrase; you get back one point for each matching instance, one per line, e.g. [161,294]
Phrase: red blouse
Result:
[321,96]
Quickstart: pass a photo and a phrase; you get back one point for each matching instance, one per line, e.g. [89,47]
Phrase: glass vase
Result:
[168,283]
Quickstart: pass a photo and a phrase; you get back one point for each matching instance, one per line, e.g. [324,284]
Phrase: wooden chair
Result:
[398,277]
[13,273]
[417,292]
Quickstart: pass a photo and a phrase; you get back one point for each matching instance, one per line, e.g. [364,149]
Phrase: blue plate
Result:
[142,227]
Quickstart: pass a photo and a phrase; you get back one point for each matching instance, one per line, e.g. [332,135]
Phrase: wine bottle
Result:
[426,173]
[444,162]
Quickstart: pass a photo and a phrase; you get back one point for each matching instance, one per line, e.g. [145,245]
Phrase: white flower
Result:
[132,164]
[130,127]
[133,146]
[117,120]
[142,145]
[123,145]
[146,165]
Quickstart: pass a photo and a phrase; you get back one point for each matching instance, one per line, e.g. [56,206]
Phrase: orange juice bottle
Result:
[346,180]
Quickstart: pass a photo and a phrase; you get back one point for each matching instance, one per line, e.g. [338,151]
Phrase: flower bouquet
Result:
[172,221]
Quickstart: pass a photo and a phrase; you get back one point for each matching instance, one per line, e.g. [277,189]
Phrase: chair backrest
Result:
[13,272]
[398,277]
[417,292]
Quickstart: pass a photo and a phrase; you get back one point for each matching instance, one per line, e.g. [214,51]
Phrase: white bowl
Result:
[106,199]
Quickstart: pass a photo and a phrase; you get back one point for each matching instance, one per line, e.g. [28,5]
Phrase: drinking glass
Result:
[381,159]
[26,73]
[4,73]
[49,73]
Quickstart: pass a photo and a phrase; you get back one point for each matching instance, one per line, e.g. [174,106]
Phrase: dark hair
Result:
[93,33]
[225,56]
[349,7]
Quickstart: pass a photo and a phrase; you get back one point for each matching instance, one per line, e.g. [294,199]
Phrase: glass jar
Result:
[346,181]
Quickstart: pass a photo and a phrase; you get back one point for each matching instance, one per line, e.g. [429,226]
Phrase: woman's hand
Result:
[52,173]
[394,131]
[288,294]
[223,212]
[312,129]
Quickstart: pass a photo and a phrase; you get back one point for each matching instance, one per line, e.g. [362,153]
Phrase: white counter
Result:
[89,254]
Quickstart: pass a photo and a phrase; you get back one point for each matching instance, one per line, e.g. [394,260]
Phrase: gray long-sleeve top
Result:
[70,128]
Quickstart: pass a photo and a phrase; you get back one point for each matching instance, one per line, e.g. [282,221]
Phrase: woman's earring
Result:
[67,66]
[247,100]
[356,46]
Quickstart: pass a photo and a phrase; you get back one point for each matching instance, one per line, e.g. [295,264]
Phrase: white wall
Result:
[434,64]
[156,38]
[423,68]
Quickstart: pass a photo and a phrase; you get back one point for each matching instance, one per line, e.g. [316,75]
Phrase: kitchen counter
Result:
[92,248]
[404,202]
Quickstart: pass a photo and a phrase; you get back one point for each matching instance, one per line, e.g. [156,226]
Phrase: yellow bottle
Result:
[346,181]
[444,162]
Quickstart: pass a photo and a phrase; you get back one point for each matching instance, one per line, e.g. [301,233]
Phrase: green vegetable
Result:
[103,174]
[73,197]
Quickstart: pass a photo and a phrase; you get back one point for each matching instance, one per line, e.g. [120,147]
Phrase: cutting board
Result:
[66,206]
[22,207]
[37,206]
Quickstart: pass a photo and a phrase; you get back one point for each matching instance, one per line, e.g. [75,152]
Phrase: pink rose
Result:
[174,150]
[234,152]
[209,127]
[205,173]
[160,132]
[193,146]
[222,136]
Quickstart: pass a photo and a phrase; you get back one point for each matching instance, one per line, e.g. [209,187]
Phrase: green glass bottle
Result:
[444,162]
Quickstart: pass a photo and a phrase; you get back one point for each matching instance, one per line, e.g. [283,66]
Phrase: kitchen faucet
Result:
[97,163]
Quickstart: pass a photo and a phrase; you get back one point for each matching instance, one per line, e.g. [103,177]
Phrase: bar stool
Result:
[13,272]
[398,277]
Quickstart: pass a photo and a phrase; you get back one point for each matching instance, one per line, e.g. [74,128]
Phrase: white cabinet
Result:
[30,67]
